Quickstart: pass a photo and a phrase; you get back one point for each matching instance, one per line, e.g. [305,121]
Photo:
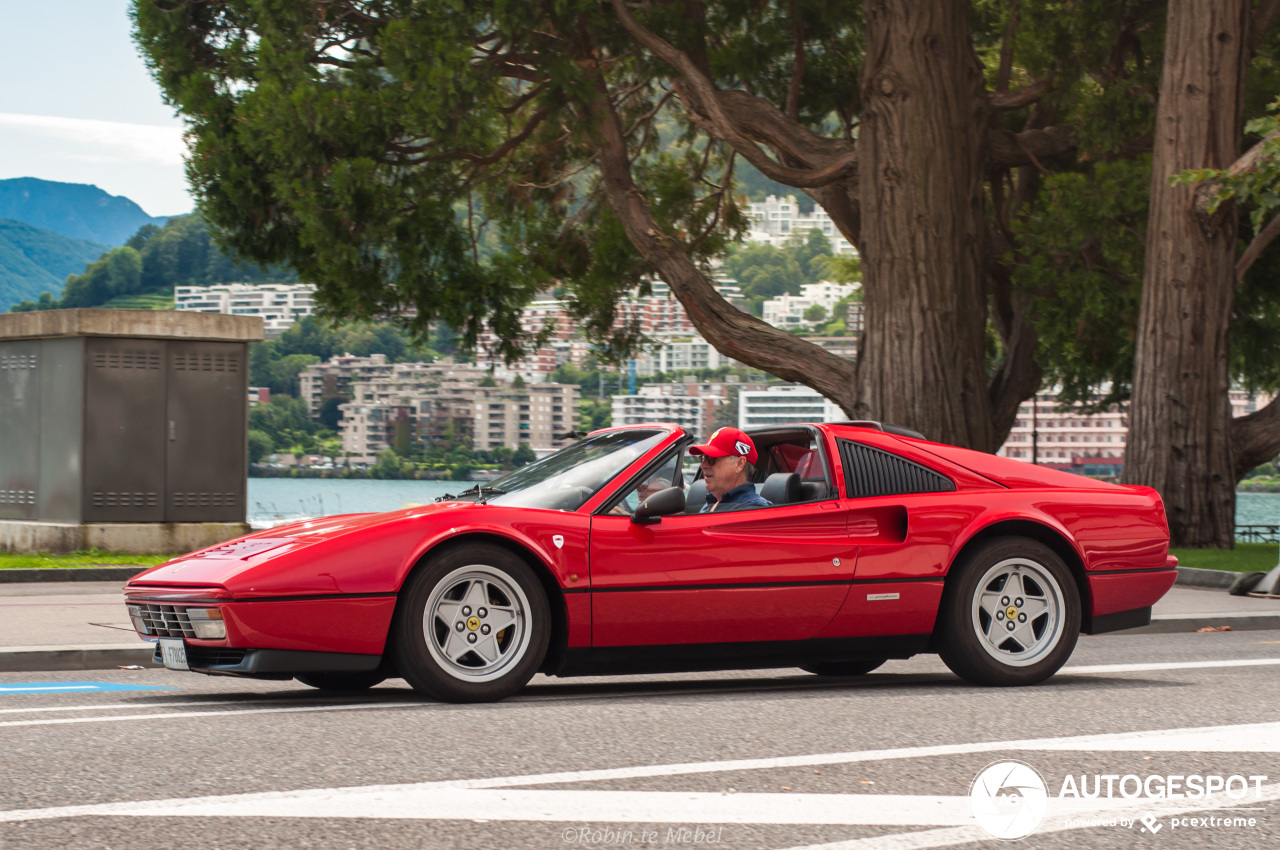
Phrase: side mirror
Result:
[662,503]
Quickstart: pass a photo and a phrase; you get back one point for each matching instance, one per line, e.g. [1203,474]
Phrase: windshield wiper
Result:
[480,491]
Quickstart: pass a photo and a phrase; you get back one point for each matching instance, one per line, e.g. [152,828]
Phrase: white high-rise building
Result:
[775,220]
[782,405]
[787,311]
[279,304]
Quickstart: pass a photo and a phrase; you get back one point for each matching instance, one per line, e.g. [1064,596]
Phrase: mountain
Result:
[34,260]
[74,210]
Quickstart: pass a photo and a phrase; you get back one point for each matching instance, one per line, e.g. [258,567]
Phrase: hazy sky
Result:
[78,105]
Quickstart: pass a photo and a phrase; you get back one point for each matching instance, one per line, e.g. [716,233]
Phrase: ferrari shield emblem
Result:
[558,539]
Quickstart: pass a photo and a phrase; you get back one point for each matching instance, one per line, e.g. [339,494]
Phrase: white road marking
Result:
[1168,665]
[1066,671]
[28,689]
[134,705]
[442,798]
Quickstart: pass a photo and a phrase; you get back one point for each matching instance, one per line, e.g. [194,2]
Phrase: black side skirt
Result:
[1117,621]
[694,658]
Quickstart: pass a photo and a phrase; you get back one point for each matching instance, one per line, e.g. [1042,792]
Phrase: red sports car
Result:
[596,560]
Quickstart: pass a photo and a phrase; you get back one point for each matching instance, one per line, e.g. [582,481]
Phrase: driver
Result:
[728,462]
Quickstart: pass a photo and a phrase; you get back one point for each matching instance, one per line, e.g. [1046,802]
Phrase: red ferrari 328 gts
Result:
[595,560]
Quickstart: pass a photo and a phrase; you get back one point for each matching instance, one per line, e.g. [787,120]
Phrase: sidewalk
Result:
[83,625]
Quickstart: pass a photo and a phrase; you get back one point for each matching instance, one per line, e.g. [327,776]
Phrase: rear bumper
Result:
[271,663]
[1118,621]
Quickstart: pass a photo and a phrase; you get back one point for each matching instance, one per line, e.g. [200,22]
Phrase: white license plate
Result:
[174,653]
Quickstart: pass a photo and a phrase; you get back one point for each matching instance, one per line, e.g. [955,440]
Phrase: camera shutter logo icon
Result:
[1009,800]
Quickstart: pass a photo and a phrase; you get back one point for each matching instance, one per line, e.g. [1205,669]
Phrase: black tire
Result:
[343,681]
[506,588]
[998,660]
[852,667]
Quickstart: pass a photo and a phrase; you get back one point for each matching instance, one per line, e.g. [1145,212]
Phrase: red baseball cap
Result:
[727,442]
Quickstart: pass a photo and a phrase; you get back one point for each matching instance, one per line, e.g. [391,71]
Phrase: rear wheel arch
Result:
[1041,534]
[559,643]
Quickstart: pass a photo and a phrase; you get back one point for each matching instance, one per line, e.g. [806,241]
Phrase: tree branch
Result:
[1255,439]
[1019,98]
[1264,238]
[1014,150]
[732,332]
[1206,190]
[705,108]
[1005,71]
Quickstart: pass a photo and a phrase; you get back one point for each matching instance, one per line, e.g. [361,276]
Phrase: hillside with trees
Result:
[34,260]
[151,263]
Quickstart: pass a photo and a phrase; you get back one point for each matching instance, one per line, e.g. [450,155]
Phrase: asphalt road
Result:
[772,759]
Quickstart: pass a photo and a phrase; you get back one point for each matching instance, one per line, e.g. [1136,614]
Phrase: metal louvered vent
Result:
[872,472]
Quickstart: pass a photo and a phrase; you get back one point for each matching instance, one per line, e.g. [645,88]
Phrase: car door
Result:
[765,574]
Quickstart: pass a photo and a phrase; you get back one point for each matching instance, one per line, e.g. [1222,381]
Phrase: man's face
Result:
[722,474]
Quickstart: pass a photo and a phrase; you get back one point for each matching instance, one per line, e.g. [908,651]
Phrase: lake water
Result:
[283,497]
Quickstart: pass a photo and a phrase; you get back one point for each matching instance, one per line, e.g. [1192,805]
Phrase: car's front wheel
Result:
[473,625]
[1012,615]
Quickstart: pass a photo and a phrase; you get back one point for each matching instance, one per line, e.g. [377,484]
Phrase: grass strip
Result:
[78,560]
[1245,558]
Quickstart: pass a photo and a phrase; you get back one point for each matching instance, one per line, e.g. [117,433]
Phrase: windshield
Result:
[567,479]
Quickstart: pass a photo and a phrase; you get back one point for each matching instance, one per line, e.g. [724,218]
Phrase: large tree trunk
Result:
[1180,416]
[921,154]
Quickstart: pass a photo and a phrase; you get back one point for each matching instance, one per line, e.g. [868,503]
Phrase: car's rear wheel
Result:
[851,667]
[473,625]
[1011,616]
[342,681]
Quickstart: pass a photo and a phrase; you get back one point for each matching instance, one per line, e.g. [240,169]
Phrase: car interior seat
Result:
[782,488]
[695,497]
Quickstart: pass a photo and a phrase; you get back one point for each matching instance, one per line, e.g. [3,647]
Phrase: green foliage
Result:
[523,456]
[816,313]
[594,414]
[1082,251]
[766,272]
[260,445]
[277,363]
[1256,188]
[286,426]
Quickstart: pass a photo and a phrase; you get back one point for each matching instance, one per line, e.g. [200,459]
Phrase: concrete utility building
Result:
[124,429]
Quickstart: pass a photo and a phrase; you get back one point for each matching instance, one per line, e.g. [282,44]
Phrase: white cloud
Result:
[91,140]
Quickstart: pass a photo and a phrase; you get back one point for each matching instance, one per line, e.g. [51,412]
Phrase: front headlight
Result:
[207,623]
[135,614]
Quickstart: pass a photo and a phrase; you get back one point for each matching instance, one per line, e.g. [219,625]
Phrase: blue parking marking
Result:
[73,687]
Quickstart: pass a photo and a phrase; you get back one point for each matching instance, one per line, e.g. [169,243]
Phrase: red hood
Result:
[291,558]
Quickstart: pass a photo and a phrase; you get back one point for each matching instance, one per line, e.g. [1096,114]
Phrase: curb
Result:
[34,659]
[1193,577]
[1164,624]
[70,574]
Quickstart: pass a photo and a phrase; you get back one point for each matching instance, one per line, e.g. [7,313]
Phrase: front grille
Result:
[164,620]
[213,656]
[204,657]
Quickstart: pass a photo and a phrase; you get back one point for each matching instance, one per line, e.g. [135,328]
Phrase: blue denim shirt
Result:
[742,496]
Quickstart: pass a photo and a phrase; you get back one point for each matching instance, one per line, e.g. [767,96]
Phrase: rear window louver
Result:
[872,472]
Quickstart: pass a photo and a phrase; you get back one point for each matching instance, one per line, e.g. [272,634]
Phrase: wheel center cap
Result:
[1011,612]
[473,623]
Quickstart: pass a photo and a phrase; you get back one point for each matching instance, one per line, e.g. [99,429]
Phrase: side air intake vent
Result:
[872,472]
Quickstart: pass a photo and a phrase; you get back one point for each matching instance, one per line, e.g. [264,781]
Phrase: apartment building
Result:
[279,304]
[537,414]
[787,311]
[783,404]
[335,377]
[1089,443]
[689,404]
[776,220]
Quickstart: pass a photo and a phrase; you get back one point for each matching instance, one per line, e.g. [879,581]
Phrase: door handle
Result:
[173,434]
